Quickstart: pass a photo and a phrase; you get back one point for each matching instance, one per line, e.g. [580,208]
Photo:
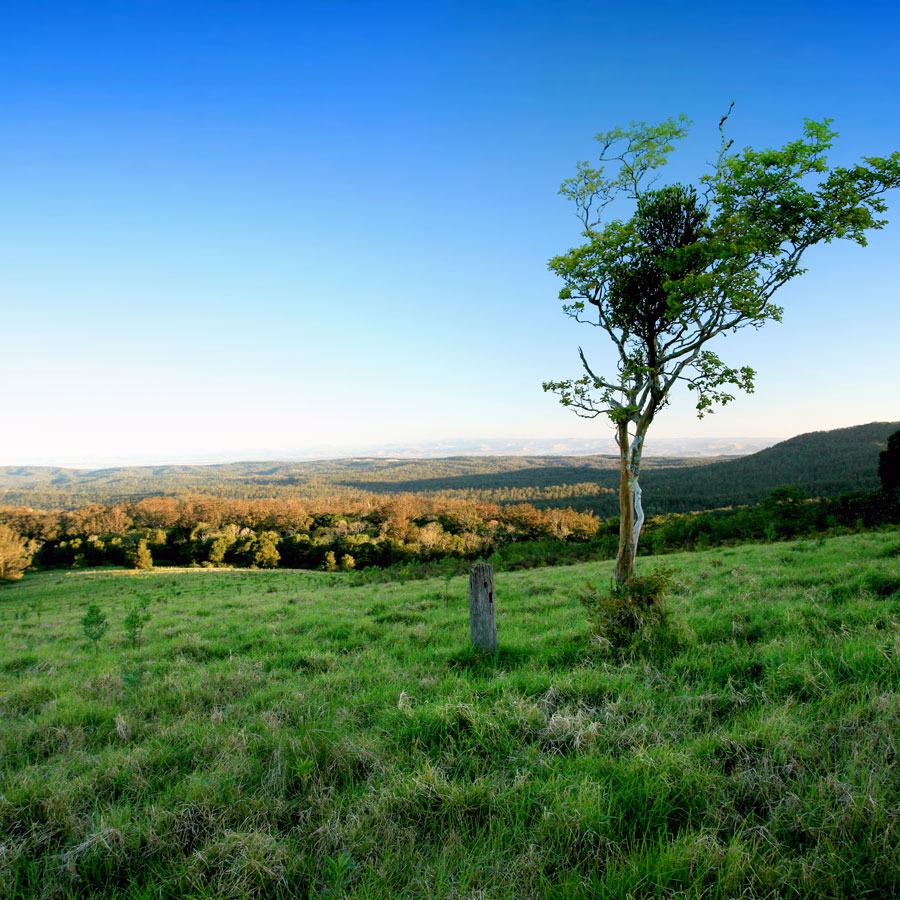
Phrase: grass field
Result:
[289,734]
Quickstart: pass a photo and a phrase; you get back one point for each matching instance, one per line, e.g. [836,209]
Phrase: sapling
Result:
[94,624]
[37,605]
[133,677]
[135,619]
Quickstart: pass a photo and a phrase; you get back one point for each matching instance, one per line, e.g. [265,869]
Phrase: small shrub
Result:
[94,624]
[135,619]
[631,614]
[133,678]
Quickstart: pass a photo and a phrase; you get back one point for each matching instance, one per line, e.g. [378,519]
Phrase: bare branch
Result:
[600,382]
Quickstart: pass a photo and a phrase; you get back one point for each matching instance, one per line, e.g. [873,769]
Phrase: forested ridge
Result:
[823,464]
[529,477]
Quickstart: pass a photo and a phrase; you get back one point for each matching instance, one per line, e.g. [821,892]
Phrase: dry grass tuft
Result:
[240,864]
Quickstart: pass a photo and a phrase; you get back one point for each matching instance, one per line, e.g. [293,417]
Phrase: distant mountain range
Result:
[824,463]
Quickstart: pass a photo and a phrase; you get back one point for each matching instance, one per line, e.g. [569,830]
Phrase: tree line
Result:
[403,535]
[330,533]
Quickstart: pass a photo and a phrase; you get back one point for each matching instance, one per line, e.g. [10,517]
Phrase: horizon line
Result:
[429,449]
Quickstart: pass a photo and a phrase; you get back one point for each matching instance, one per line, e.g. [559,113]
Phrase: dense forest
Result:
[364,528]
[328,533]
[424,535]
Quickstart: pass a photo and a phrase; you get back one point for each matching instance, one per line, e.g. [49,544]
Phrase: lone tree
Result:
[692,263]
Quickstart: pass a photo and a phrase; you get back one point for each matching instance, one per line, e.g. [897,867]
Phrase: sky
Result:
[234,230]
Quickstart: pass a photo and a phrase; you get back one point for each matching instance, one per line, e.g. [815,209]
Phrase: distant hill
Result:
[58,487]
[823,463]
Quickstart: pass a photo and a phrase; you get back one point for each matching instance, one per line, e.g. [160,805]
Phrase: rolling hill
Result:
[823,463]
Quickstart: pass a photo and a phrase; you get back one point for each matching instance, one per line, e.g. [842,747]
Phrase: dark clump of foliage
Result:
[626,617]
[889,465]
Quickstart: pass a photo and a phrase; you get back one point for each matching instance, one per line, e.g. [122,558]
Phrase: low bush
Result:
[627,616]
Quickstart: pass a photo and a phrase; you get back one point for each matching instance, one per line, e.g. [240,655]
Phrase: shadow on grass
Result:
[472,660]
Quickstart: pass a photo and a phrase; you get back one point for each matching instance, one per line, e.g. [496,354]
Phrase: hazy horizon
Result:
[571,446]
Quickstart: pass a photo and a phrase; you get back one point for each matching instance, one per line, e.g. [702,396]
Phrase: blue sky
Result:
[230,228]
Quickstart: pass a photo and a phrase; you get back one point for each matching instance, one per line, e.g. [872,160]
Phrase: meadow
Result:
[287,734]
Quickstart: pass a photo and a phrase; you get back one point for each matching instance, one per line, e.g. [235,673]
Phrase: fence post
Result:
[482,619]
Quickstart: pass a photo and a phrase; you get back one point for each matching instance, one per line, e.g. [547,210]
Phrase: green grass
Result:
[289,734]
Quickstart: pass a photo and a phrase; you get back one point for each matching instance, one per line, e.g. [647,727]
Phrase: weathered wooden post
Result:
[482,619]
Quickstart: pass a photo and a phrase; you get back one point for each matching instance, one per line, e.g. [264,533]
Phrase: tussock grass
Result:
[295,734]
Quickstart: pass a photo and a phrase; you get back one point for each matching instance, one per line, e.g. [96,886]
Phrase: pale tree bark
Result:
[631,512]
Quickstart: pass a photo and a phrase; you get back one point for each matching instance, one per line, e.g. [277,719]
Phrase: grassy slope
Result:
[296,736]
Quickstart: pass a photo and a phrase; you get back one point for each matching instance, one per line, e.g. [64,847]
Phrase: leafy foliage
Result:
[691,264]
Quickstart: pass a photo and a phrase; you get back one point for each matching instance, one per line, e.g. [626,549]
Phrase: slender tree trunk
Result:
[625,556]
[631,512]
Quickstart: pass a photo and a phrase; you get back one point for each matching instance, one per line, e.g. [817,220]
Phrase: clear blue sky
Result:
[229,226]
